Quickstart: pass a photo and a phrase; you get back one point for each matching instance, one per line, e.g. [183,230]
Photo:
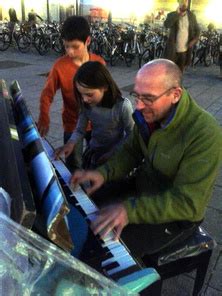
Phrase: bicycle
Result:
[154,50]
[50,39]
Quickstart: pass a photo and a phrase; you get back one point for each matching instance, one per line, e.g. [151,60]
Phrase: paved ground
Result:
[205,86]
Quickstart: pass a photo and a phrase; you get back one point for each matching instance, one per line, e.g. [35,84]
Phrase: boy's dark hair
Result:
[75,28]
[95,75]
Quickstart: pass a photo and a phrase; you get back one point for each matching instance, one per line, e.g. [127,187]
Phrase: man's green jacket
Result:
[177,167]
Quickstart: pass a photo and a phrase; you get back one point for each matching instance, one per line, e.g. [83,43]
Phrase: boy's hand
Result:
[43,129]
[95,178]
[65,150]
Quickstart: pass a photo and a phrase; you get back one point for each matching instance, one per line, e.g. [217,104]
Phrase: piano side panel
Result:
[12,179]
[29,211]
[49,198]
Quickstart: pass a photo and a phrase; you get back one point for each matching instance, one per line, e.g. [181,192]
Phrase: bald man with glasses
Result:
[175,152]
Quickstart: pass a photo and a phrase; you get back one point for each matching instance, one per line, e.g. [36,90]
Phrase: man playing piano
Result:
[176,148]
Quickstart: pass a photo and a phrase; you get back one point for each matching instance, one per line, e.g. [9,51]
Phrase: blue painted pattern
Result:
[48,191]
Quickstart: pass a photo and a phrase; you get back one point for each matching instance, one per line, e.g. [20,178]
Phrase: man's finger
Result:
[101,223]
[118,231]
[91,189]
[110,227]
[78,177]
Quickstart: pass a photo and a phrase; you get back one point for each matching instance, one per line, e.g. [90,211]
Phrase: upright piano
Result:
[43,200]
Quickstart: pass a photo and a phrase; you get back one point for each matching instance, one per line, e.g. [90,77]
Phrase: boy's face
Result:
[75,48]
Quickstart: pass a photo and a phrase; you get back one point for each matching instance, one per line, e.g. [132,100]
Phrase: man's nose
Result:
[140,105]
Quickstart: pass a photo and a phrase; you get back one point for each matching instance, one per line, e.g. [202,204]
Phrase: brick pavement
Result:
[205,86]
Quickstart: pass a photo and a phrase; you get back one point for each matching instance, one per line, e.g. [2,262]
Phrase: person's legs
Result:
[74,160]
[181,58]
[155,237]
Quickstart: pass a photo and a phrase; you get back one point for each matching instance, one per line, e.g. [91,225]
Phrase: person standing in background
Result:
[183,35]
[12,18]
[32,18]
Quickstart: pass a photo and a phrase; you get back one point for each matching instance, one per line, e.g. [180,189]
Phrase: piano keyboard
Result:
[118,262]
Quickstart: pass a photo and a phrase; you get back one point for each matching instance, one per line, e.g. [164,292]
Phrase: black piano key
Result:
[111,266]
[125,272]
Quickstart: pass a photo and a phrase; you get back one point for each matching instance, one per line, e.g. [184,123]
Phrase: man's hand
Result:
[65,150]
[113,217]
[192,43]
[43,129]
[95,178]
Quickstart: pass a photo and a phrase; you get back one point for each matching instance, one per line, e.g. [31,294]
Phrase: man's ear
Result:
[88,40]
[177,95]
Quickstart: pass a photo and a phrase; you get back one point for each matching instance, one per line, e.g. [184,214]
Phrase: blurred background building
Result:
[131,11]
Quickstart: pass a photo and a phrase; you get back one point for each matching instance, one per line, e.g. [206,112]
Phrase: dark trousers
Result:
[143,239]
[181,60]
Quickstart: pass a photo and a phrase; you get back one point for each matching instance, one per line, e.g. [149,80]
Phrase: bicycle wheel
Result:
[208,59]
[44,45]
[145,57]
[198,57]
[115,55]
[58,45]
[129,56]
[216,54]
[94,47]
[5,41]
[159,51]
[24,43]
[105,52]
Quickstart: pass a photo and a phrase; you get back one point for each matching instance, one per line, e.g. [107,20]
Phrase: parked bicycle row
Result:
[42,37]
[127,43]
[207,50]
[116,43]
[140,46]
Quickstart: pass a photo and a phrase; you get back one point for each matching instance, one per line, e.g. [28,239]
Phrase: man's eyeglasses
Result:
[148,100]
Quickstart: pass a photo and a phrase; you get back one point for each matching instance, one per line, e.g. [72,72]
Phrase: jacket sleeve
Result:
[191,189]
[196,28]
[51,86]
[128,156]
[127,119]
[171,19]
[80,130]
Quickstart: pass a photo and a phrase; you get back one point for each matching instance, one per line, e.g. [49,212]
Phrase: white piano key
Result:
[124,263]
[92,216]
[87,208]
[118,254]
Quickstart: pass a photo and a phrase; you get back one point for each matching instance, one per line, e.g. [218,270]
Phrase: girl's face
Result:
[91,96]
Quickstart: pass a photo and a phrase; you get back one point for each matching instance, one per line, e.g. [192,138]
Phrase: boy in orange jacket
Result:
[76,38]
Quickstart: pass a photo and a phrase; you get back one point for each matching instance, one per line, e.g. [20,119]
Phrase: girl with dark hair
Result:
[110,114]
